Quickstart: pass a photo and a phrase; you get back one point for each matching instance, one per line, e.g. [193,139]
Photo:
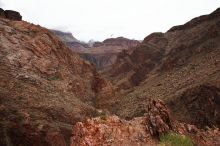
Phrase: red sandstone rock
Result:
[111,131]
[145,130]
[158,118]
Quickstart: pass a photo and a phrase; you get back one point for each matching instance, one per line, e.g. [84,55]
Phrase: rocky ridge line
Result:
[10,14]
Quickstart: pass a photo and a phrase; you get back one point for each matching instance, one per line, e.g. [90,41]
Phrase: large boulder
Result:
[13,15]
[111,131]
[10,14]
[158,119]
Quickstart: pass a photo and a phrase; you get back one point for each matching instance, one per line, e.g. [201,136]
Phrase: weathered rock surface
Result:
[10,14]
[159,121]
[158,118]
[44,87]
[199,105]
[111,131]
[139,131]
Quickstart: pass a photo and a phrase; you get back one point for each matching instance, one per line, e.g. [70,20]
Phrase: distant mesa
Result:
[65,36]
[101,54]
[10,14]
[74,44]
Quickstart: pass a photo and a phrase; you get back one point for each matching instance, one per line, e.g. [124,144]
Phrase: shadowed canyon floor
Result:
[170,82]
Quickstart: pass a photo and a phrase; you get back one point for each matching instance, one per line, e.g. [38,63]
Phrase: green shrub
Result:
[173,139]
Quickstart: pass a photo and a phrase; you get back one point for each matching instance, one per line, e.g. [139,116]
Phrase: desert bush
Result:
[173,139]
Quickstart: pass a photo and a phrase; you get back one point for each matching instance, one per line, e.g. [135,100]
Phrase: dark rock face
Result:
[199,105]
[13,15]
[10,14]
[2,13]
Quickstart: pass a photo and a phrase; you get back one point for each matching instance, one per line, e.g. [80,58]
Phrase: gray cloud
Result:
[1,4]
[98,19]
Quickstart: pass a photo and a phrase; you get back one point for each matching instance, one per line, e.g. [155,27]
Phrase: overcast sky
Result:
[101,19]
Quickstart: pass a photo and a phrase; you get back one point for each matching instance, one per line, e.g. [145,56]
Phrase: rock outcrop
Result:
[11,15]
[198,105]
[145,130]
[158,119]
[111,131]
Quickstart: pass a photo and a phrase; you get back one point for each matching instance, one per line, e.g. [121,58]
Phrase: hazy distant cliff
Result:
[101,54]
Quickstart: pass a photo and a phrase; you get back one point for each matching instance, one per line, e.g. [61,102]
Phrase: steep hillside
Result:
[181,66]
[44,87]
[170,82]
[130,69]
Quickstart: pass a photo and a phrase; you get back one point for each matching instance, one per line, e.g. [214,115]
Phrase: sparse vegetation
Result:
[173,139]
[100,113]
[54,78]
